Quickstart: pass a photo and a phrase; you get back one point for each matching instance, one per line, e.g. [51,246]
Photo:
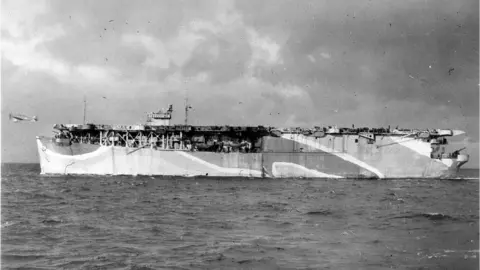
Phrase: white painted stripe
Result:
[310,142]
[105,149]
[418,146]
[99,151]
[448,162]
[234,171]
[299,170]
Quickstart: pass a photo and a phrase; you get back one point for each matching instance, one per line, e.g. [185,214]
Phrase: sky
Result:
[412,64]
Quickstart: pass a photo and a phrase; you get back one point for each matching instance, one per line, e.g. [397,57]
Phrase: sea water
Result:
[72,222]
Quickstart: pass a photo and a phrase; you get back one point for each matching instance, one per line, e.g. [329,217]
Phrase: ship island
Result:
[159,148]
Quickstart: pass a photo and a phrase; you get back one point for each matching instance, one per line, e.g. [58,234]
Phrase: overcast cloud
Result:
[275,62]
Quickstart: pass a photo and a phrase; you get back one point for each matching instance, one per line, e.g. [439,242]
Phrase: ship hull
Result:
[292,155]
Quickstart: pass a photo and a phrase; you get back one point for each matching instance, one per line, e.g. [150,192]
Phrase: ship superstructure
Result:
[159,148]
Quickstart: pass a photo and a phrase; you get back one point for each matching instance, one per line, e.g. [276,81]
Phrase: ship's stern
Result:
[41,154]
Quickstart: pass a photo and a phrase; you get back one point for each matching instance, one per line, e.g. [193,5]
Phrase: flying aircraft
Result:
[21,117]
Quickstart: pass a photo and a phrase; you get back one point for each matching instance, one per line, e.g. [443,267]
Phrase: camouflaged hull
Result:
[290,155]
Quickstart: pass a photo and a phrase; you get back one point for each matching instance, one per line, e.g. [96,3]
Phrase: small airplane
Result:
[21,117]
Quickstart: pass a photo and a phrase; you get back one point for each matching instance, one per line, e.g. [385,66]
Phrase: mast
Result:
[186,110]
[187,106]
[1,73]
[84,109]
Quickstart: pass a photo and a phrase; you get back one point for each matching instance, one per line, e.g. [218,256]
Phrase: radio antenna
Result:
[84,109]
[187,107]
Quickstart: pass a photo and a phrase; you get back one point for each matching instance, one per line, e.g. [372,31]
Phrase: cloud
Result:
[159,56]
[25,49]
[217,29]
[94,73]
[264,49]
[269,62]
[29,57]
[22,46]
[325,55]
[371,51]
[18,17]
[230,49]
[176,50]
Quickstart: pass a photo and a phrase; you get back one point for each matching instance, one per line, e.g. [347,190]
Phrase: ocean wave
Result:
[320,212]
[8,224]
[237,223]
[52,221]
[270,206]
[430,216]
[6,256]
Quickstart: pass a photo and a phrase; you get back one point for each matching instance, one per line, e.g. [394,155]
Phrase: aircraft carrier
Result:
[159,148]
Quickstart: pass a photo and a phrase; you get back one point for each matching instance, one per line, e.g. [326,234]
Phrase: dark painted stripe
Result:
[72,150]
[280,149]
[251,161]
